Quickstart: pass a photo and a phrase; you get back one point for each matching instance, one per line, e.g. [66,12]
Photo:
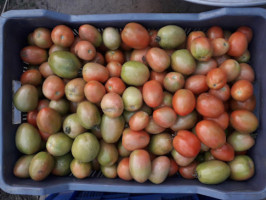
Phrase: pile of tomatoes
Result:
[138,104]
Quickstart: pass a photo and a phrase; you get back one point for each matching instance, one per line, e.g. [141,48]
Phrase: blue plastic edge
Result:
[204,190]
[227,4]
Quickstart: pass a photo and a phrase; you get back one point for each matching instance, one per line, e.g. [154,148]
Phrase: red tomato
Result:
[112,105]
[44,135]
[94,91]
[135,36]
[115,85]
[249,104]
[157,76]
[231,68]
[238,44]
[247,32]
[31,76]
[158,59]
[216,78]
[210,134]
[53,87]
[133,140]
[246,72]
[114,68]
[173,167]
[189,171]
[139,55]
[220,46]
[45,70]
[203,67]
[94,72]
[62,36]
[183,102]
[44,103]
[114,55]
[242,90]
[164,117]
[186,143]
[197,84]
[221,59]
[91,34]
[85,50]
[209,106]
[222,120]
[153,40]
[215,32]
[224,153]
[139,121]
[201,49]
[98,59]
[223,93]
[152,93]
[123,170]
[31,117]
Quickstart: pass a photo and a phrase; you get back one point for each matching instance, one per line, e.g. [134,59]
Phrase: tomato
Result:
[74,90]
[114,68]
[216,78]
[53,87]
[209,106]
[31,117]
[133,140]
[242,90]
[215,32]
[95,72]
[125,47]
[44,103]
[193,35]
[222,120]
[222,93]
[31,76]
[224,153]
[173,81]
[246,72]
[231,68]
[201,49]
[238,44]
[244,58]
[91,34]
[158,59]
[220,46]
[210,134]
[62,36]
[241,142]
[135,36]
[49,121]
[33,55]
[181,160]
[244,121]
[157,76]
[221,59]
[115,85]
[183,62]
[44,135]
[185,122]
[153,127]
[112,105]
[153,41]
[55,47]
[94,91]
[203,67]
[247,32]
[152,93]
[139,121]
[45,70]
[164,117]
[85,50]
[186,143]
[167,100]
[42,37]
[197,84]
[183,102]
[123,170]
[173,168]
[189,171]
[114,55]
[139,55]
[249,104]
[98,59]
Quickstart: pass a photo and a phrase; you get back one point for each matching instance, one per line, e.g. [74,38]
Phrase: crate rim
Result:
[17,14]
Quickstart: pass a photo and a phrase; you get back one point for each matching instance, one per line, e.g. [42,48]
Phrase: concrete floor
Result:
[101,6]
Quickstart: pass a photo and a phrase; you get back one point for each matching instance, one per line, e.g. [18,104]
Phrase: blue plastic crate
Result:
[16,25]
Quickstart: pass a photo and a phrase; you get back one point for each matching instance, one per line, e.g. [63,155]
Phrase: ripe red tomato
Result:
[186,143]
[238,44]
[62,36]
[114,68]
[152,93]
[209,105]
[135,36]
[193,35]
[242,90]
[247,32]
[158,76]
[210,134]
[115,85]
[115,55]
[224,153]
[94,91]
[222,120]
[31,117]
[216,78]
[249,104]
[197,84]
[164,117]
[183,102]
[223,93]
[53,87]
[215,32]
[189,171]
